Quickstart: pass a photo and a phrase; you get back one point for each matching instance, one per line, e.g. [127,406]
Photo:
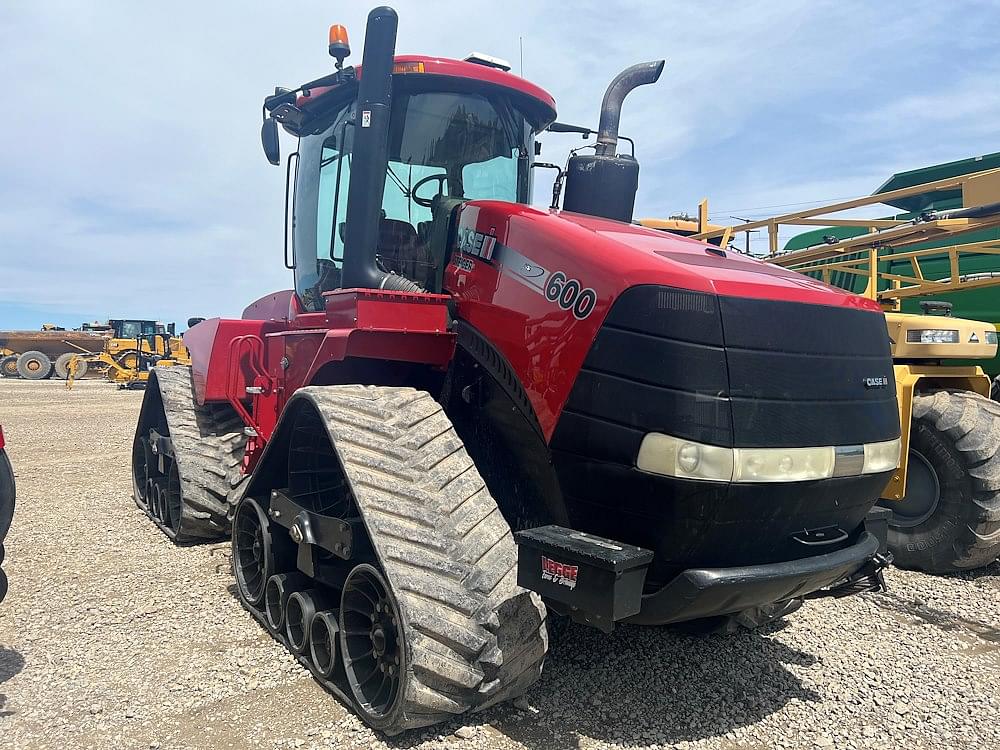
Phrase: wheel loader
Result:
[944,497]
[470,413]
[6,507]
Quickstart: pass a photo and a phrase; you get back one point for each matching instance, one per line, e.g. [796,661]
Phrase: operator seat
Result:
[440,234]
[400,251]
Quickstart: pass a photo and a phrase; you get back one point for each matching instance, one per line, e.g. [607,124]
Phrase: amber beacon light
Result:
[339,46]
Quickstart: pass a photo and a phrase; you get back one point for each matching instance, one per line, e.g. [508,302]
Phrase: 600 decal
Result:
[570,294]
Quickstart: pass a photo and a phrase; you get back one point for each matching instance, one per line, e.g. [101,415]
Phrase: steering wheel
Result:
[426,202]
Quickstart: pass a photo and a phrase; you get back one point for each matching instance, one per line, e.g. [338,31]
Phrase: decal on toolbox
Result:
[560,573]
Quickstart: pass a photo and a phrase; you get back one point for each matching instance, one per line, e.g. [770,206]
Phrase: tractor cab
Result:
[457,131]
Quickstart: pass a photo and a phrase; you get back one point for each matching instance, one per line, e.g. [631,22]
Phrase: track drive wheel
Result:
[253,557]
[34,366]
[8,367]
[949,518]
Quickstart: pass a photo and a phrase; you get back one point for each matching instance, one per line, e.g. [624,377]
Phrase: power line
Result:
[750,209]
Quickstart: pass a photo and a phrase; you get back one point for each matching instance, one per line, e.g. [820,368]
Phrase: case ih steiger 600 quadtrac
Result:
[469,406]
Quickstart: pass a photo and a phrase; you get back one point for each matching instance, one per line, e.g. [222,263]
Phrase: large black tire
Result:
[34,366]
[472,637]
[8,366]
[7,495]
[208,443]
[62,364]
[949,519]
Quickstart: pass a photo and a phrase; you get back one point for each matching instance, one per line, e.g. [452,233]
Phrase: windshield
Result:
[130,329]
[445,147]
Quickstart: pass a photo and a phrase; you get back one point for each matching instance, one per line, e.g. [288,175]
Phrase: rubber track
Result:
[475,638]
[973,423]
[208,444]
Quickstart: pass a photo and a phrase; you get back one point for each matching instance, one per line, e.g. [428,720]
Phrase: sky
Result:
[132,182]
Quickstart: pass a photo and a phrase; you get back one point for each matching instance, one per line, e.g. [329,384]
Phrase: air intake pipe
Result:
[370,158]
[605,184]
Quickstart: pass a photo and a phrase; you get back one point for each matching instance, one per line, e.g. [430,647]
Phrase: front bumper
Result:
[708,592]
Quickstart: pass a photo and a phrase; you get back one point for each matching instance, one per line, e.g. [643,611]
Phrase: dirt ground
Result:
[113,638]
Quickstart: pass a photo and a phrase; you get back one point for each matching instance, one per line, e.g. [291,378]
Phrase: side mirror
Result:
[269,140]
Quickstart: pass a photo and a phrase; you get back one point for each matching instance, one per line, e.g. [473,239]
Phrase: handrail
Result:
[252,346]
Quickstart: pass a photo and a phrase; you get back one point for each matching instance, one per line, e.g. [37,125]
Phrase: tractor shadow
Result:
[654,686]
[11,663]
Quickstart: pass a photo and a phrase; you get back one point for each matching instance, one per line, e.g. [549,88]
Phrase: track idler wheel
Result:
[253,558]
[372,643]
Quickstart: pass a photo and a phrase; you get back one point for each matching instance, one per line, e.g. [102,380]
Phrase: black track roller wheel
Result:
[253,559]
[171,505]
[324,637]
[949,517]
[8,366]
[300,609]
[373,645]
[279,587]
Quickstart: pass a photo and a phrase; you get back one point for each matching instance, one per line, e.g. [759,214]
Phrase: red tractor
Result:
[6,507]
[470,412]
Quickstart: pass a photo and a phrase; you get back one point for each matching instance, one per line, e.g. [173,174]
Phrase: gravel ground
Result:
[113,638]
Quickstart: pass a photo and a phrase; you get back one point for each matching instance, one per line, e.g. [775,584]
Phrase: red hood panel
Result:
[733,274]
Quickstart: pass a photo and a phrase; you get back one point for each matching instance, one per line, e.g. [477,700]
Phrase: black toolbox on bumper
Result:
[597,580]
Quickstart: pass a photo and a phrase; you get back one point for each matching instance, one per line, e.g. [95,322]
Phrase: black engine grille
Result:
[729,371]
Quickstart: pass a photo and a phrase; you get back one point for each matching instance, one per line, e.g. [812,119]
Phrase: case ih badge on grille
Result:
[557,572]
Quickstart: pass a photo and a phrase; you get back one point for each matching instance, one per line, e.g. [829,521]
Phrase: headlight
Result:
[932,336]
[676,457]
[783,464]
[687,459]
[881,456]
[991,337]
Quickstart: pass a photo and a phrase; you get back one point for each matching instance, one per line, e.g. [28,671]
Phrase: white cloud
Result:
[131,156]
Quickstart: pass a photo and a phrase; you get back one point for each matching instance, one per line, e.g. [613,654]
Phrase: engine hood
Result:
[644,256]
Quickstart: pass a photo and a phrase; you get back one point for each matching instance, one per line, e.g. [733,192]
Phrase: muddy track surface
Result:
[111,637]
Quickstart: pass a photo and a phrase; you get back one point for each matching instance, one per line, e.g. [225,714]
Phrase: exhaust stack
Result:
[614,97]
[370,158]
[605,184]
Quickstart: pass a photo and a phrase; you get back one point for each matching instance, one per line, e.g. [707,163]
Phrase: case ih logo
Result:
[557,572]
[476,243]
